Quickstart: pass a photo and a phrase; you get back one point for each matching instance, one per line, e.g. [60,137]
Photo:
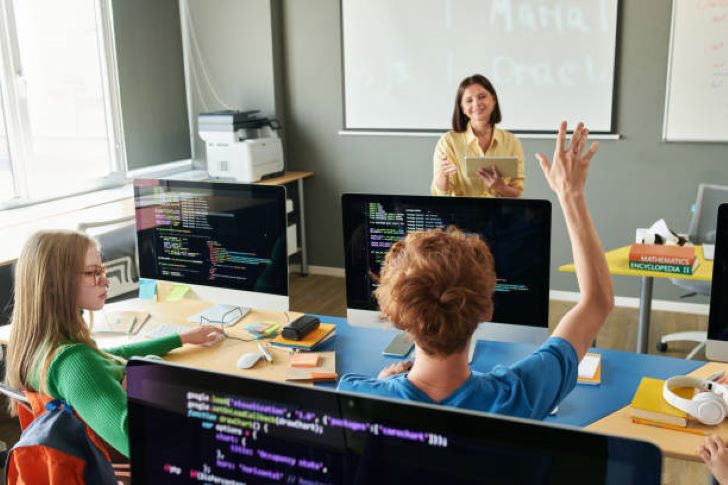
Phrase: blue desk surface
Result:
[359,350]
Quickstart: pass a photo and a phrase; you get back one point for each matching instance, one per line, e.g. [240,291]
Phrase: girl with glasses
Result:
[57,276]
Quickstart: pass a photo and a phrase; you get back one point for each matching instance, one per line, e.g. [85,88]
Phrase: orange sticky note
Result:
[323,376]
[301,359]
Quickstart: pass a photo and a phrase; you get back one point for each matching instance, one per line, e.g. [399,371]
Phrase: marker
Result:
[265,354]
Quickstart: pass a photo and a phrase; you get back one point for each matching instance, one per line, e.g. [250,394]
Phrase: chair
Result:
[702,231]
[117,239]
[31,405]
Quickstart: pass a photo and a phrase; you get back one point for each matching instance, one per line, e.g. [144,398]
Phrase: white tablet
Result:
[507,166]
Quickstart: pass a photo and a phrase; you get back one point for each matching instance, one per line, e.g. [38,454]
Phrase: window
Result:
[6,170]
[60,100]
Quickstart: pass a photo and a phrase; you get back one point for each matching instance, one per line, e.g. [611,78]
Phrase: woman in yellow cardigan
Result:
[474,133]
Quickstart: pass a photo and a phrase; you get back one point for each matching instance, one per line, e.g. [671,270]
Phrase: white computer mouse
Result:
[217,339]
[246,361]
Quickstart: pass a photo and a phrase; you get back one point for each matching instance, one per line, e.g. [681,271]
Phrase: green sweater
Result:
[91,383]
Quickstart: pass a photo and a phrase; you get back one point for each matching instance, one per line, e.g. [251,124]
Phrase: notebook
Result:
[324,370]
[310,341]
[590,369]
[648,404]
[127,322]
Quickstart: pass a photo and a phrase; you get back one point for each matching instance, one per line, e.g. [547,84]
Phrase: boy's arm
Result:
[566,177]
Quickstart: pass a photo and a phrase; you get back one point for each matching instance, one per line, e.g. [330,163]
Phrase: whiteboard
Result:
[696,106]
[549,60]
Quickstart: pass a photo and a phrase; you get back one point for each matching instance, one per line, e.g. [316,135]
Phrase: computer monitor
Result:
[188,425]
[518,232]
[227,241]
[716,348]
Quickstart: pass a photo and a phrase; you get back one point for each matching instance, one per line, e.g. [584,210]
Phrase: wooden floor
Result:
[326,295]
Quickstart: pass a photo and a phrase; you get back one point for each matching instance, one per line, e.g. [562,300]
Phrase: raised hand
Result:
[567,173]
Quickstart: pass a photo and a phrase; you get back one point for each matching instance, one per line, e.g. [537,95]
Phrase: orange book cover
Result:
[662,254]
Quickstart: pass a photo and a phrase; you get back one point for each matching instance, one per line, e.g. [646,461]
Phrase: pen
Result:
[265,354]
[715,376]
[132,325]
[669,426]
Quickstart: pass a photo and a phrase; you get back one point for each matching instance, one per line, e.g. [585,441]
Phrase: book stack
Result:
[649,407]
[312,367]
[590,370]
[663,258]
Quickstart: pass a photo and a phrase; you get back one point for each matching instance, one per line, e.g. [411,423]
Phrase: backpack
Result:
[55,449]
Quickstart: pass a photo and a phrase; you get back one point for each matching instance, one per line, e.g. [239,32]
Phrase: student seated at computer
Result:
[57,276]
[438,285]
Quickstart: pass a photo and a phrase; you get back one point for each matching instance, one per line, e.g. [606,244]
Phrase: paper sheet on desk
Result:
[588,365]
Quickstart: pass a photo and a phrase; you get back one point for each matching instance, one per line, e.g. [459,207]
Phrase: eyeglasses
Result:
[98,272]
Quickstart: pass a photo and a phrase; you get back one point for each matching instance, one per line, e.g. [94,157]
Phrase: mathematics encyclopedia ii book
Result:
[663,258]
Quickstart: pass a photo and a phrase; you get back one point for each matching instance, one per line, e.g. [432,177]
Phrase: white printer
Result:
[241,145]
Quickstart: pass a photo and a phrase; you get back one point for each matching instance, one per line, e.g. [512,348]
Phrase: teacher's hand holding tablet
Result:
[492,179]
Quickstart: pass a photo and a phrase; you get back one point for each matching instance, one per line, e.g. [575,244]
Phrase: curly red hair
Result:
[437,285]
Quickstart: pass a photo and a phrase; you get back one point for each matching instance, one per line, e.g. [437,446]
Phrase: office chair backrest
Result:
[703,222]
[7,280]
[15,394]
[118,252]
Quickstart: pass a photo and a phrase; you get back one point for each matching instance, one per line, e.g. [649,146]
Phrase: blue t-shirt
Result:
[530,388]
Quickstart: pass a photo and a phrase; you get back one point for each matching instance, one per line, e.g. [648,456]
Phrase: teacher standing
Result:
[474,134]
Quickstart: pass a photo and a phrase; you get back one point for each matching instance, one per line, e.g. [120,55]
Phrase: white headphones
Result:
[707,407]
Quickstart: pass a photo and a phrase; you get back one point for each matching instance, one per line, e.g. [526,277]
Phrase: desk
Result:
[675,444]
[618,263]
[359,350]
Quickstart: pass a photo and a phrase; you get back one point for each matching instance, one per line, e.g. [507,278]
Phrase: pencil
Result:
[133,323]
[669,426]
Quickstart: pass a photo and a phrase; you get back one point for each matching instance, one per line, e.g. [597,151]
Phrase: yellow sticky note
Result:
[178,292]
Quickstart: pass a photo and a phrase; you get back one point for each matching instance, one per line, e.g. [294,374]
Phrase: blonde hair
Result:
[46,315]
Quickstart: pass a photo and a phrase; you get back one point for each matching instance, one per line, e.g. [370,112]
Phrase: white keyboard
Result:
[165,329]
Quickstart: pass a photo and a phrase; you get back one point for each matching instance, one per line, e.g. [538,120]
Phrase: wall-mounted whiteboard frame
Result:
[595,104]
[696,92]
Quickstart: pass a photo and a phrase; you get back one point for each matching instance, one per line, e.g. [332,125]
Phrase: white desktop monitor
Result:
[716,348]
[518,232]
[226,241]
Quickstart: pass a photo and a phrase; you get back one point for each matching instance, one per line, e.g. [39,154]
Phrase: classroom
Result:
[163,63]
